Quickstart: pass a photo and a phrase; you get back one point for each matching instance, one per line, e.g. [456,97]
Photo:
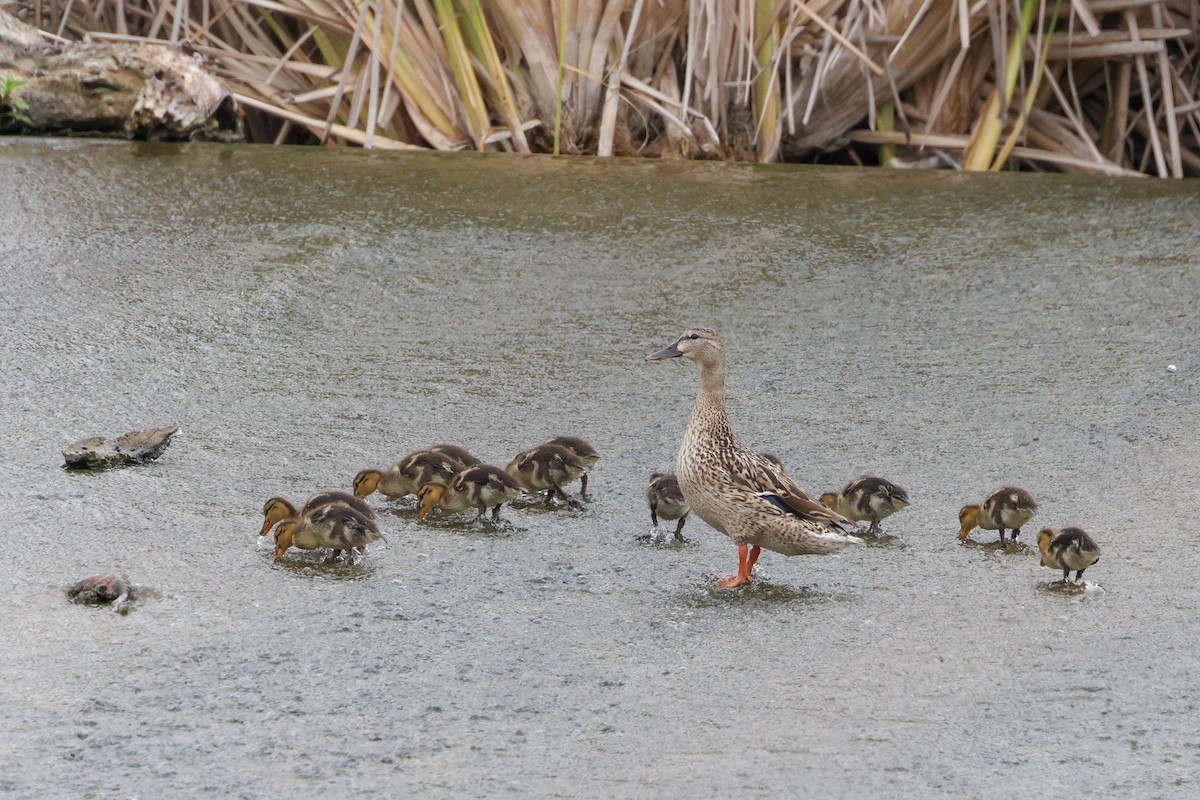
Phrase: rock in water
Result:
[99,590]
[134,447]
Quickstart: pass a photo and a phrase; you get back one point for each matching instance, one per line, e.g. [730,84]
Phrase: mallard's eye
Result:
[694,336]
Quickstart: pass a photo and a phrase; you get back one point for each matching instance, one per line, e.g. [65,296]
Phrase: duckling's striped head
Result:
[283,537]
[366,482]
[829,499]
[275,510]
[430,496]
[1045,535]
[968,520]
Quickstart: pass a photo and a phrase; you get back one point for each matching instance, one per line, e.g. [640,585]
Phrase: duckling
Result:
[278,509]
[667,501]
[338,526]
[458,453]
[581,450]
[547,466]
[735,489]
[1068,549]
[408,474]
[867,498]
[1007,507]
[480,487]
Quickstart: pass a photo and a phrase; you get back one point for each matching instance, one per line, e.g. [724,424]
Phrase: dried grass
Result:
[1105,86]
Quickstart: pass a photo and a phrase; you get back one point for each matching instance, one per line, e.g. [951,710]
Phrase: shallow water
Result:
[304,313]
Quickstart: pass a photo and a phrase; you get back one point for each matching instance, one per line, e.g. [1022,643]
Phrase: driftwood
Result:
[97,452]
[136,90]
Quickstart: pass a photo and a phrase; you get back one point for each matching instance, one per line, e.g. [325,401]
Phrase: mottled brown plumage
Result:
[278,509]
[408,474]
[338,526]
[735,489]
[480,487]
[457,452]
[1006,508]
[581,450]
[666,500]
[1068,549]
[547,467]
[867,499]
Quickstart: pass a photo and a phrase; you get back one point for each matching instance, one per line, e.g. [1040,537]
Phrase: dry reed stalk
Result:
[738,79]
[766,89]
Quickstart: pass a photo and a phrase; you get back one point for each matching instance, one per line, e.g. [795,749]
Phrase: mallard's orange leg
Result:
[747,557]
[755,551]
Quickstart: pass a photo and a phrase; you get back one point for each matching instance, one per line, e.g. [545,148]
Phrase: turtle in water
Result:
[100,590]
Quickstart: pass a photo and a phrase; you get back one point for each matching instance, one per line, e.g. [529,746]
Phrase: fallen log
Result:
[135,447]
[146,91]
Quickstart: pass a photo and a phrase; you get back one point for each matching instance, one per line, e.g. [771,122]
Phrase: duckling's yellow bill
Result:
[266,528]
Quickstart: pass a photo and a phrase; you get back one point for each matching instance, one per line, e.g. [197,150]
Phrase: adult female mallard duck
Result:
[480,487]
[408,474]
[581,450]
[666,501]
[1068,549]
[735,489]
[867,499]
[336,525]
[547,467]
[1006,508]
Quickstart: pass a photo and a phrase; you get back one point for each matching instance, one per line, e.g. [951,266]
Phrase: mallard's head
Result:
[698,344]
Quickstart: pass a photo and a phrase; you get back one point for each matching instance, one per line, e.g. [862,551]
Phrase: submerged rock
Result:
[97,452]
[99,590]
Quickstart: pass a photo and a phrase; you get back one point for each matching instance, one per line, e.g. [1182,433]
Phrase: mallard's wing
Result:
[770,485]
